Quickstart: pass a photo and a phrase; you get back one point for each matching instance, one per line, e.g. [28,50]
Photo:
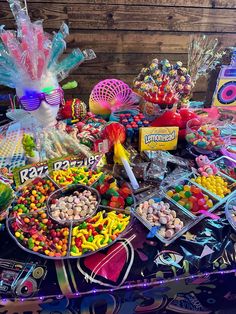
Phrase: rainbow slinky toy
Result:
[111,95]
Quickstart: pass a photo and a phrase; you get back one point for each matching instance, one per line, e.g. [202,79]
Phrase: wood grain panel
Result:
[136,17]
[123,64]
[53,14]
[151,18]
[87,82]
[176,3]
[138,41]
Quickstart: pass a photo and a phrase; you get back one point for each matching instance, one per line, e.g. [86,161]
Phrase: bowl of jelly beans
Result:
[207,136]
[191,198]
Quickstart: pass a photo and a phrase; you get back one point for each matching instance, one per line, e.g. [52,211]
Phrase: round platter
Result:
[34,230]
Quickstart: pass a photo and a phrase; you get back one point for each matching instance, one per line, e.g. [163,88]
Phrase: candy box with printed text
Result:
[158,138]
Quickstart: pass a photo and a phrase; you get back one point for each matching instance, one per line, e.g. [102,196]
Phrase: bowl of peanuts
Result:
[73,204]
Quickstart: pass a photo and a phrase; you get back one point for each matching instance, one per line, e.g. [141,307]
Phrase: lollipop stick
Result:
[130,173]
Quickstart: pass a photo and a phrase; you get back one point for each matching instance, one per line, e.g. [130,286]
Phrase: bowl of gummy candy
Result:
[207,135]
[74,203]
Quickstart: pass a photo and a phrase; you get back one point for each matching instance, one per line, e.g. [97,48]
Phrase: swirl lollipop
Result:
[116,134]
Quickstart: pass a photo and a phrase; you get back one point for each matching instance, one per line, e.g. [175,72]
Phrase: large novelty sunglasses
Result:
[32,101]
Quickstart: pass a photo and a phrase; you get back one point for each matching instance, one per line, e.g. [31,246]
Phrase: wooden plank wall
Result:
[127,34]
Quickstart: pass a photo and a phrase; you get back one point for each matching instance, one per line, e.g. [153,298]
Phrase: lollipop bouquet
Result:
[163,86]
[204,54]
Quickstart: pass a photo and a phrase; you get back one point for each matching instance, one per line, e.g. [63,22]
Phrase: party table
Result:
[195,274]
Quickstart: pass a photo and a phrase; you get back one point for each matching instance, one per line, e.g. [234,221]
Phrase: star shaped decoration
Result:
[189,236]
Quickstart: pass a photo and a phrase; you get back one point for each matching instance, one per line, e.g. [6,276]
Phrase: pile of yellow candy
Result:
[214,184]
[75,175]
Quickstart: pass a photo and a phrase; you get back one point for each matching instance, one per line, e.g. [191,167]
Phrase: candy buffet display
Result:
[133,191]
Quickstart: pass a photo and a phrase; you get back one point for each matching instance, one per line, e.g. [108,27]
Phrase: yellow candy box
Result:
[158,138]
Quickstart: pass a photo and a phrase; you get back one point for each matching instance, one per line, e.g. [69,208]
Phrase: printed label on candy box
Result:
[25,173]
[158,138]
[74,161]
[40,169]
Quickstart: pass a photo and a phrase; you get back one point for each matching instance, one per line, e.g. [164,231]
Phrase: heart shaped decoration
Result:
[109,267]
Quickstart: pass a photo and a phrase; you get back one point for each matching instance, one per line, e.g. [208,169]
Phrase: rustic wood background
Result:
[127,34]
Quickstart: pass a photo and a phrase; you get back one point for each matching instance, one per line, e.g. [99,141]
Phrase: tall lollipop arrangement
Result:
[30,56]
[164,84]
[204,55]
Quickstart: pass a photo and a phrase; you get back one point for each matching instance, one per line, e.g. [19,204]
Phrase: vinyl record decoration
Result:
[111,95]
[227,93]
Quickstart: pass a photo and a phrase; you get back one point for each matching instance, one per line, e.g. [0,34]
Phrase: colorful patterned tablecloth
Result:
[195,274]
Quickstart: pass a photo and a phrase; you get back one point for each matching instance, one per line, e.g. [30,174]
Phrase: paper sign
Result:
[158,138]
[40,169]
[72,161]
[22,174]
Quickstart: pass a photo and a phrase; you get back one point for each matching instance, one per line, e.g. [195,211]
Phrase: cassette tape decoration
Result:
[18,279]
[225,93]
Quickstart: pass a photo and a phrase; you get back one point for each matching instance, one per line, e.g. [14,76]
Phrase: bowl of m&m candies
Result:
[206,135]
[191,198]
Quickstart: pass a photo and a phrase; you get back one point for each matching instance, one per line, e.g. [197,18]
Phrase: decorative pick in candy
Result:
[116,134]
[209,215]
[153,232]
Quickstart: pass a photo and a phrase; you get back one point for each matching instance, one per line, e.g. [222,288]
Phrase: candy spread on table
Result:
[206,137]
[215,184]
[190,197]
[160,214]
[45,233]
[97,232]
